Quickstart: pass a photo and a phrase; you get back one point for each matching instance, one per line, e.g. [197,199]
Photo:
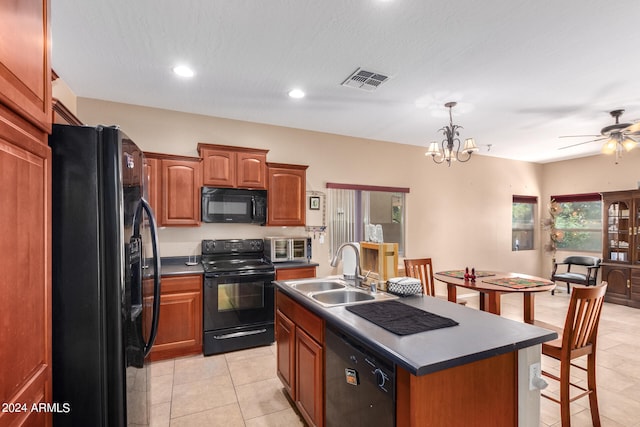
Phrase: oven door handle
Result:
[239,334]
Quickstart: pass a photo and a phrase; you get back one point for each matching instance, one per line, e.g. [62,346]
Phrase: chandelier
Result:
[449,149]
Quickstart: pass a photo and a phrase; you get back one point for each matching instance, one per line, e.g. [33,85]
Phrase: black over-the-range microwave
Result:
[234,205]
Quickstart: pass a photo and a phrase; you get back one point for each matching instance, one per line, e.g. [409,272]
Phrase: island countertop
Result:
[478,336]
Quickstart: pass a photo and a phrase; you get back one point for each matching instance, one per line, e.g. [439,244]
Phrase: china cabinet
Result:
[621,246]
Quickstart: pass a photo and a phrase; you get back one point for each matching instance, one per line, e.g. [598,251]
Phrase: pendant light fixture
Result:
[449,149]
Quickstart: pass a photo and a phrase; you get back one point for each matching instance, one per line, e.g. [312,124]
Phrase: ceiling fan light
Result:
[609,147]
[629,143]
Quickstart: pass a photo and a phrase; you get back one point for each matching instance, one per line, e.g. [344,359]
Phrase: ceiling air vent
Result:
[365,80]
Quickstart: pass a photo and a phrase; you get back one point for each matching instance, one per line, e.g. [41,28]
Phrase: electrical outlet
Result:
[535,374]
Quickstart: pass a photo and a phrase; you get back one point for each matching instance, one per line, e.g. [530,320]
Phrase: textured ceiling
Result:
[523,72]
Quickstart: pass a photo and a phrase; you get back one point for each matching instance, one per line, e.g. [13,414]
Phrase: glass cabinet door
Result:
[618,232]
[635,254]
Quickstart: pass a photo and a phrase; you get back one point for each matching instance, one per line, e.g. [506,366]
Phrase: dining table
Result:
[492,284]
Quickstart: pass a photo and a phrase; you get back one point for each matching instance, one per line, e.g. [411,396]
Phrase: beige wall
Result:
[459,216]
[588,175]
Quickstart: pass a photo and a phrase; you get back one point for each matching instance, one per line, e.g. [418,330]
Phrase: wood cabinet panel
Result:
[25,69]
[285,342]
[487,389]
[180,192]
[218,167]
[180,321]
[233,167]
[152,183]
[286,195]
[309,378]
[251,170]
[295,273]
[25,263]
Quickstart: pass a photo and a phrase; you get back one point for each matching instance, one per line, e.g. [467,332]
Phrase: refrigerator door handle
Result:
[156,276]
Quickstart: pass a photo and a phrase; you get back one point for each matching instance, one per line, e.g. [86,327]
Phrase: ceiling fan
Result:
[617,136]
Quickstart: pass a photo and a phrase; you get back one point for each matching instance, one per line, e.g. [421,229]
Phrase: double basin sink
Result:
[330,292]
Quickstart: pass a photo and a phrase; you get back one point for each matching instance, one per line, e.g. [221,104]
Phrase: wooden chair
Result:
[421,268]
[577,339]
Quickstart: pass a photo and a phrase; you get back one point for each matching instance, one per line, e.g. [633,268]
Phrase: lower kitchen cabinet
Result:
[295,273]
[180,321]
[623,284]
[300,359]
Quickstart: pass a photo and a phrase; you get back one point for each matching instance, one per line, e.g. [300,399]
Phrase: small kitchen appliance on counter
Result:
[238,295]
[284,249]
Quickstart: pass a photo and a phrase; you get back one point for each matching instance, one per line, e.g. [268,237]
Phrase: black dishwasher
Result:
[359,384]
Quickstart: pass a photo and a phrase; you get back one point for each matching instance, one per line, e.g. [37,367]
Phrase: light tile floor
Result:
[241,388]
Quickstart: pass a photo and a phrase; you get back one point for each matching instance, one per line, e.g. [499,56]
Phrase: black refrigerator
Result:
[105,278]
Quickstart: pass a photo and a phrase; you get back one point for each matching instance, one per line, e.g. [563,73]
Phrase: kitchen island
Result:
[475,373]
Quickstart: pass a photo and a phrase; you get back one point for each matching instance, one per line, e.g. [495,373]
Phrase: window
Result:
[353,207]
[523,211]
[578,222]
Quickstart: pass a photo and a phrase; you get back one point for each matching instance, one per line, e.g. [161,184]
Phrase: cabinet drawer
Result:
[295,273]
[303,318]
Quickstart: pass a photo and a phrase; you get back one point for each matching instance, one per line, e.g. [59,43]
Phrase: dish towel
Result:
[399,318]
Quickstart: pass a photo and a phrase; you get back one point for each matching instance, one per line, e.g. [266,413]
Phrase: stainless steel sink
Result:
[342,297]
[333,291]
[325,285]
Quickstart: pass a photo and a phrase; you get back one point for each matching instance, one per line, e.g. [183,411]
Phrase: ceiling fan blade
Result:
[581,143]
[634,128]
[578,136]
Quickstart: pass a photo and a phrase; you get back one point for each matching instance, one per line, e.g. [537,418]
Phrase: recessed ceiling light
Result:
[183,71]
[296,93]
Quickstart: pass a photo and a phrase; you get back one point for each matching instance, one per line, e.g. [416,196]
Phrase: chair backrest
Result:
[422,269]
[583,317]
[587,261]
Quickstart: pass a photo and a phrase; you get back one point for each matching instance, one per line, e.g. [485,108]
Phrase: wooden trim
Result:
[60,109]
[586,197]
[525,199]
[202,145]
[164,156]
[368,187]
[287,166]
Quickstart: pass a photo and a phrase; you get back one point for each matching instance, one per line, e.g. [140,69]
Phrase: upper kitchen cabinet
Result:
[621,246]
[286,194]
[234,167]
[25,70]
[174,182]
[25,212]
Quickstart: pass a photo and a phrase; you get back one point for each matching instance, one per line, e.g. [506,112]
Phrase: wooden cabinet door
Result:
[251,170]
[218,167]
[152,182]
[285,340]
[180,195]
[309,378]
[180,321]
[286,195]
[25,279]
[618,279]
[295,273]
[25,69]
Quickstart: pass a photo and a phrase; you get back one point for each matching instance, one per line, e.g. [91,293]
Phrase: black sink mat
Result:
[399,318]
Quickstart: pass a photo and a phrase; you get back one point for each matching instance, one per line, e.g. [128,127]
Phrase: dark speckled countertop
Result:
[174,266]
[294,264]
[478,336]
